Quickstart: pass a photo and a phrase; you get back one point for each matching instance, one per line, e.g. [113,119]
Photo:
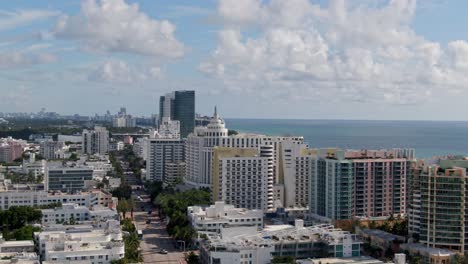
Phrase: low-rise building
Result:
[67,179]
[69,213]
[381,239]
[245,245]
[94,244]
[35,195]
[19,257]
[220,215]
[52,149]
[354,260]
[16,246]
[429,255]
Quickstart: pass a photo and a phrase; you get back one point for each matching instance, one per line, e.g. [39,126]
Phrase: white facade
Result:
[33,195]
[124,121]
[85,244]
[78,213]
[16,246]
[220,215]
[200,160]
[199,152]
[32,166]
[245,182]
[174,172]
[246,245]
[95,141]
[162,151]
[169,128]
[140,147]
[52,149]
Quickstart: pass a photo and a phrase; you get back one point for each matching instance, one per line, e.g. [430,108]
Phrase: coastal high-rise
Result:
[95,141]
[438,214]
[200,159]
[244,177]
[349,183]
[180,106]
[199,152]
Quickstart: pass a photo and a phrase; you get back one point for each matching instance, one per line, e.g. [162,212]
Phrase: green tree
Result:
[192,258]
[73,157]
[283,260]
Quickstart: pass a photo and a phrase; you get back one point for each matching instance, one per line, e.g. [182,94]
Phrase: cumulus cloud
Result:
[117,71]
[350,51]
[115,26]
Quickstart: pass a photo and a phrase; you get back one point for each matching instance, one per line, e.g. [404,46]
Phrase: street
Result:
[155,237]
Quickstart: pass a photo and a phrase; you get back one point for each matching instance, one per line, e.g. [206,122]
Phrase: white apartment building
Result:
[140,147]
[243,177]
[34,195]
[78,213]
[16,246]
[174,172]
[95,244]
[163,151]
[52,149]
[19,257]
[100,168]
[221,215]
[31,165]
[247,245]
[95,141]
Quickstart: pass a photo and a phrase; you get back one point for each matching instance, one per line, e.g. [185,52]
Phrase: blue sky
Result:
[372,59]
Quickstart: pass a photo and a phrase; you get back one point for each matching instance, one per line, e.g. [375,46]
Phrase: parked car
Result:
[162,251]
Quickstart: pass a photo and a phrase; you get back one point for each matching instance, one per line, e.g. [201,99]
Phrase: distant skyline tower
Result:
[179,105]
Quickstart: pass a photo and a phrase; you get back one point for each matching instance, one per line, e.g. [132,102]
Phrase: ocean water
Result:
[429,138]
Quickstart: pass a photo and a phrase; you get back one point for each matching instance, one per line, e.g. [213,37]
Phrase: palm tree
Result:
[122,207]
[131,205]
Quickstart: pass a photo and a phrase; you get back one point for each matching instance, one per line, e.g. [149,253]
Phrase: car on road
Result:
[162,251]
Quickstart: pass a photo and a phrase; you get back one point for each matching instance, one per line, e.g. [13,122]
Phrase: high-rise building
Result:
[67,179]
[438,218]
[161,152]
[95,141]
[365,183]
[180,106]
[244,177]
[200,152]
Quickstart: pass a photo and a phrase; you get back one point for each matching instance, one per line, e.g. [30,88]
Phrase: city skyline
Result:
[301,59]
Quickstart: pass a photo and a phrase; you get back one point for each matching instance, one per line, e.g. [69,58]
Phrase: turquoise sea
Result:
[429,138]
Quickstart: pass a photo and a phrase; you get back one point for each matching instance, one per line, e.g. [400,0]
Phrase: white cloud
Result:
[117,71]
[9,20]
[353,52]
[16,59]
[115,26]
